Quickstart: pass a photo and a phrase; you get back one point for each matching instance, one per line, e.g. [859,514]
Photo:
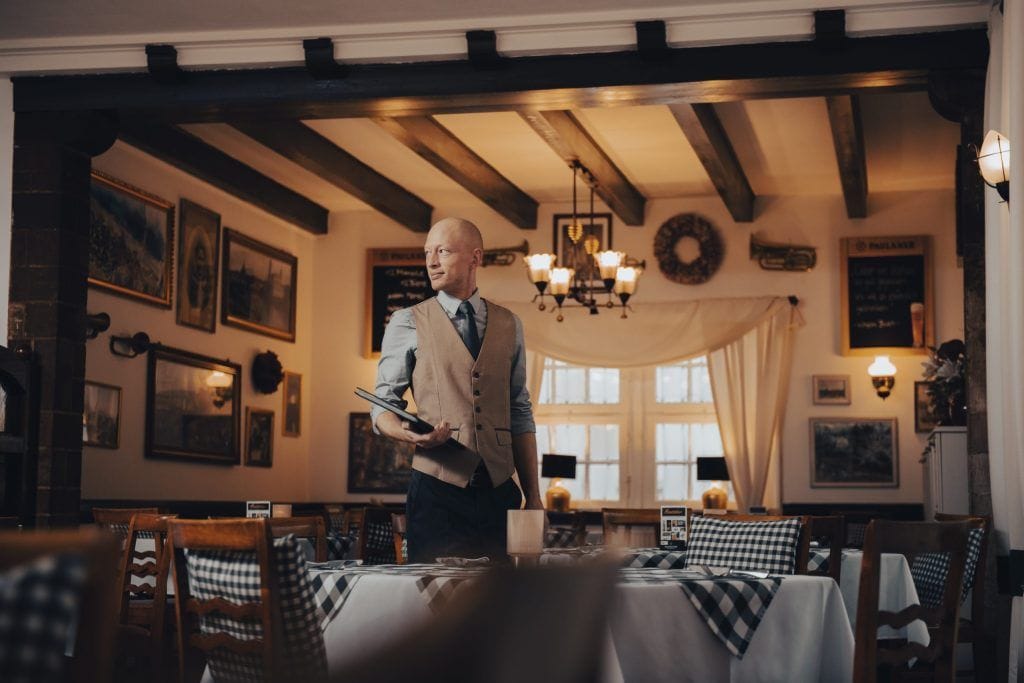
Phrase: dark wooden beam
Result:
[195,157]
[704,131]
[448,154]
[848,138]
[570,140]
[566,81]
[830,29]
[307,148]
[651,41]
[320,62]
[162,64]
[482,49]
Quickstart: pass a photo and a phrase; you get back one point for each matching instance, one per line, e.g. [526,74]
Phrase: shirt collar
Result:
[451,304]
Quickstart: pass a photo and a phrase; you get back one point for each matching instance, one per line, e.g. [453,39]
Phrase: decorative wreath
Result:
[267,372]
[712,249]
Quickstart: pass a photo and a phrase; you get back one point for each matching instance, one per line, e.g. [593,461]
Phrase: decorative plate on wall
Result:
[709,241]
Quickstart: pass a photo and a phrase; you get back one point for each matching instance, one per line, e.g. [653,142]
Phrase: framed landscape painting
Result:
[925,419]
[197,266]
[376,464]
[831,390]
[131,241]
[259,287]
[854,452]
[101,415]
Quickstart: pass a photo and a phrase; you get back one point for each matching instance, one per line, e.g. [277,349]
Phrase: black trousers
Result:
[443,520]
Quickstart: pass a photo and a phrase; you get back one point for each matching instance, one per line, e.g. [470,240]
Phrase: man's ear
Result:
[478,257]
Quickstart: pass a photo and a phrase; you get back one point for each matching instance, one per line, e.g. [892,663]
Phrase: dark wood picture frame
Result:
[395,278]
[291,404]
[575,256]
[198,266]
[131,241]
[854,452]
[259,437]
[824,390]
[241,290]
[187,418]
[376,464]
[101,426]
[925,419]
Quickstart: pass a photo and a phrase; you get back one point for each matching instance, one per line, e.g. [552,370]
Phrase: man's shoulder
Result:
[407,315]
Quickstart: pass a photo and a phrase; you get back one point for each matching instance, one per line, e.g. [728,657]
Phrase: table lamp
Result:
[714,470]
[557,467]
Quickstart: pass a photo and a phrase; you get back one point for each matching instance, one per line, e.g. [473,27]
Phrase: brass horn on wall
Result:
[773,256]
[505,256]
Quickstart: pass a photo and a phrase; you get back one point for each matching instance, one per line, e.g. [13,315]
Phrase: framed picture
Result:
[198,252]
[830,390]
[192,407]
[595,236]
[259,287]
[854,452]
[887,298]
[101,415]
[259,437]
[376,464]
[292,408]
[131,241]
[925,419]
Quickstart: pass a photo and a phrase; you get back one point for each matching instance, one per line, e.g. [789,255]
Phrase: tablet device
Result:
[415,424]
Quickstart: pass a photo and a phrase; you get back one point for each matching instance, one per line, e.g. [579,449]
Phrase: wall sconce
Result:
[96,323]
[883,375]
[222,386]
[994,163]
[129,347]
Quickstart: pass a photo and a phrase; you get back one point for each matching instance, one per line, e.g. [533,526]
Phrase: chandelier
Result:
[590,268]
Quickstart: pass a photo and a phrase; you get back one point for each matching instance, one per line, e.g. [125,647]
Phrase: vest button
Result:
[476,375]
[476,392]
[479,426]
[478,409]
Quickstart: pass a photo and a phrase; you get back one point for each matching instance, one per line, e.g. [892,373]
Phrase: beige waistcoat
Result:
[473,396]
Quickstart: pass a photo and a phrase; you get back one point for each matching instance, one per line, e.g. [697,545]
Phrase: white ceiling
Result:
[784,146]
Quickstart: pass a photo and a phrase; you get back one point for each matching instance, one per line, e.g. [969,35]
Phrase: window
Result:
[636,433]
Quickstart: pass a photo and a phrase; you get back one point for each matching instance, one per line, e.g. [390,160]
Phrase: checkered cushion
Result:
[855,534]
[235,576]
[929,571]
[561,537]
[338,545]
[380,544]
[38,610]
[765,546]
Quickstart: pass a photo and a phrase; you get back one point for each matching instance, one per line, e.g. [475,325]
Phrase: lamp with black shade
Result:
[716,471]
[557,467]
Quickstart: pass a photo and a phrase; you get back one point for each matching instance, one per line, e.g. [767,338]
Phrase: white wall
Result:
[125,472]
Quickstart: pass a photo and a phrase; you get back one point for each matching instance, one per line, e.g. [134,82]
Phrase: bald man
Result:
[464,359]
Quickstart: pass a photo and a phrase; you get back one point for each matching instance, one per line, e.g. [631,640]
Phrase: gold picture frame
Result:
[395,278]
[259,288]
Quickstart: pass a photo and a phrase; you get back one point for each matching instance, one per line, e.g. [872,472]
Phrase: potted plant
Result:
[944,371]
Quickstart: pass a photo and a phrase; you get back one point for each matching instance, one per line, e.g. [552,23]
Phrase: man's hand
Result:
[390,425]
[534,503]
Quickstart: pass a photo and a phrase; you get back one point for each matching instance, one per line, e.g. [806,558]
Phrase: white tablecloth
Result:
[895,592]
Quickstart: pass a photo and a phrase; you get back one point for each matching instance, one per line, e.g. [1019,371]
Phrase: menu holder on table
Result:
[674,529]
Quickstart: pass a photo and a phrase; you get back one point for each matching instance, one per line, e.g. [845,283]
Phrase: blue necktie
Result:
[469,334]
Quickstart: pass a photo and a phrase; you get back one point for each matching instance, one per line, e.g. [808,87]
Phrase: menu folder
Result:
[415,423]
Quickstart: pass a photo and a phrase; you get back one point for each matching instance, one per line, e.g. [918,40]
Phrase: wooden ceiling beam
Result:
[187,152]
[848,138]
[703,129]
[570,140]
[451,156]
[302,145]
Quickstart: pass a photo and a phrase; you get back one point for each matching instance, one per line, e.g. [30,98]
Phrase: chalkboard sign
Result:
[887,296]
[395,279]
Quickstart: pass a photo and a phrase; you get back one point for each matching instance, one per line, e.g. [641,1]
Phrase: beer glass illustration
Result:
[917,323]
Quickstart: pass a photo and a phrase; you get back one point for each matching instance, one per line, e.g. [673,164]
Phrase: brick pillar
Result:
[49,266]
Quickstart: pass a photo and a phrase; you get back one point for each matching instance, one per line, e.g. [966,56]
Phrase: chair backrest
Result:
[398,530]
[977,559]
[631,527]
[334,517]
[58,568]
[571,535]
[911,538]
[830,530]
[143,574]
[376,537]
[251,599]
[776,543]
[118,519]
[309,527]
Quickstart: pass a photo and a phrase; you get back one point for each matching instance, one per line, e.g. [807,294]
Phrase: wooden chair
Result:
[309,527]
[912,538]
[118,519]
[334,517]
[376,537]
[399,531]
[832,530]
[618,527]
[571,535]
[352,521]
[973,630]
[97,618]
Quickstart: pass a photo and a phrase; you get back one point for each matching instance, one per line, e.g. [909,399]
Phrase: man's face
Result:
[451,261]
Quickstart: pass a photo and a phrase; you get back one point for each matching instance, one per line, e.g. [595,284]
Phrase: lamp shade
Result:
[994,158]
[712,469]
[561,466]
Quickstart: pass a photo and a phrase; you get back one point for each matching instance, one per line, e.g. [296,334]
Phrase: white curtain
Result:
[750,382]
[1004,312]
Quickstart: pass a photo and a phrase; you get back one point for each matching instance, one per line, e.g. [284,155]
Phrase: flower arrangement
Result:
[944,371]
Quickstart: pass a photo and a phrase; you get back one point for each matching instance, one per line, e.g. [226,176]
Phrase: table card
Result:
[257,508]
[673,527]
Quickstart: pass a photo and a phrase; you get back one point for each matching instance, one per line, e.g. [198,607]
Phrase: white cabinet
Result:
[946,472]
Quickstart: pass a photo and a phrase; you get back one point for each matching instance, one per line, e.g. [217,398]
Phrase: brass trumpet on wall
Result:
[505,256]
[772,256]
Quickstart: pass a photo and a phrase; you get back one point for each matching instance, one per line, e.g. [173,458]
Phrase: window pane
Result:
[670,384]
[604,442]
[707,441]
[542,440]
[604,482]
[545,387]
[570,440]
[701,384]
[604,385]
[671,442]
[672,482]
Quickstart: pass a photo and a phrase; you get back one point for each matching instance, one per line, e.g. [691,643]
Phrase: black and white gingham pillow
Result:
[38,612]
[338,545]
[764,546]
[561,537]
[234,576]
[380,544]
[929,571]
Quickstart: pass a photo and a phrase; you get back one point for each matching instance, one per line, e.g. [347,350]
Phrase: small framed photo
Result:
[101,415]
[924,409]
[198,253]
[259,287]
[259,437]
[593,236]
[830,390]
[854,452]
[292,408]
